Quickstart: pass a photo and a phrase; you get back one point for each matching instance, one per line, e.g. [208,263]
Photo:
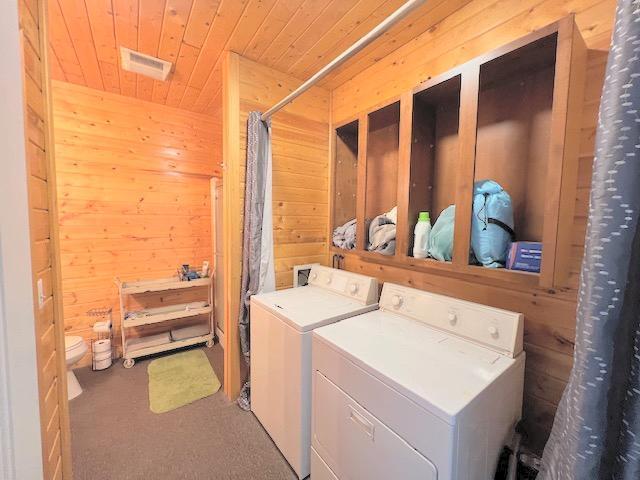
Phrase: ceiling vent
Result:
[137,62]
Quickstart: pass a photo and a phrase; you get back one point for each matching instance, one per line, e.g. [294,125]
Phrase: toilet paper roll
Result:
[102,364]
[101,355]
[102,346]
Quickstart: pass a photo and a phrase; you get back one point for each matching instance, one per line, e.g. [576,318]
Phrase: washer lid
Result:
[309,307]
[437,370]
[71,342]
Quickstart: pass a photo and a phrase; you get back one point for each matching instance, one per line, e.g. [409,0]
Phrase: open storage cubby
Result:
[515,102]
[345,174]
[511,115]
[383,130]
[527,136]
[434,151]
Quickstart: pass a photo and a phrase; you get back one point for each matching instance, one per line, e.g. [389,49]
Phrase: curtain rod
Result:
[380,29]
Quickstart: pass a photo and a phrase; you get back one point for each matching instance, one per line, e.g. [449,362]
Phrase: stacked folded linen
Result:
[148,341]
[189,332]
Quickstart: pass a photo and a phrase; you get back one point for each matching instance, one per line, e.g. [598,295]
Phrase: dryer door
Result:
[355,444]
[319,469]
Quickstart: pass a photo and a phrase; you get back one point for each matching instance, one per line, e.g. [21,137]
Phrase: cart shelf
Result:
[163,314]
[161,285]
[165,347]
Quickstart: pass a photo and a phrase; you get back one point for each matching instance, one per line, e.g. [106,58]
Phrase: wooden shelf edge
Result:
[167,316]
[160,285]
[513,279]
[165,347]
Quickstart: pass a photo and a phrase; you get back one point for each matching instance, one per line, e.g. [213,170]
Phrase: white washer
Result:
[281,330]
[428,387]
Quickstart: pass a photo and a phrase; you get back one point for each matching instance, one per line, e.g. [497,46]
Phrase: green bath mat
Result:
[179,380]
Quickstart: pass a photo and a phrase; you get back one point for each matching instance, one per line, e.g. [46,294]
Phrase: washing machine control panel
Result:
[352,285]
[497,329]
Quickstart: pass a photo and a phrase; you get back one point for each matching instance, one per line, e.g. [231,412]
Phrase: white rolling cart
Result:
[133,348]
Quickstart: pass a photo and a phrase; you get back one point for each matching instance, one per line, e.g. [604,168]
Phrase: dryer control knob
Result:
[353,288]
[396,301]
[493,331]
[453,318]
[328,280]
[314,276]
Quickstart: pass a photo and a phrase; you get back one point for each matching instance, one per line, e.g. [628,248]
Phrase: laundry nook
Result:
[327,240]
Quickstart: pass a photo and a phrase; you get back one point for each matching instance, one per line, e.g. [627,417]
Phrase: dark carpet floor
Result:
[116,437]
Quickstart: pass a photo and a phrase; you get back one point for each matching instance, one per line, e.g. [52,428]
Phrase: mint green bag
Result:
[441,238]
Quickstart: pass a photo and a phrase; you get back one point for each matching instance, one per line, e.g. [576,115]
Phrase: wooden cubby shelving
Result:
[434,152]
[381,172]
[345,170]
[511,115]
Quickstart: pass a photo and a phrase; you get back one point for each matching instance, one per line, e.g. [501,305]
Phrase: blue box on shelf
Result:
[525,256]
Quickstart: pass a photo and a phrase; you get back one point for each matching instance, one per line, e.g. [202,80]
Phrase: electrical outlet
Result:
[40,292]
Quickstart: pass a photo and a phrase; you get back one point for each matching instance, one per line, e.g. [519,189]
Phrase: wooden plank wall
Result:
[300,144]
[54,419]
[479,26]
[133,192]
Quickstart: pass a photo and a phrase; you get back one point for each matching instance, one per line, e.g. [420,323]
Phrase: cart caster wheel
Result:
[210,343]
[128,362]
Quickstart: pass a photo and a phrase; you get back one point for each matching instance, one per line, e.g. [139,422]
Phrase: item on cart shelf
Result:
[191,331]
[148,341]
[186,274]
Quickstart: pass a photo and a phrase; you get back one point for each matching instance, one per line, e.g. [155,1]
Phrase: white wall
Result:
[20,442]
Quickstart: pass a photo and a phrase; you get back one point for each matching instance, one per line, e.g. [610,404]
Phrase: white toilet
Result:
[74,350]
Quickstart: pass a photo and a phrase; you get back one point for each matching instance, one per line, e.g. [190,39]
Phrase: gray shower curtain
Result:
[596,432]
[257,249]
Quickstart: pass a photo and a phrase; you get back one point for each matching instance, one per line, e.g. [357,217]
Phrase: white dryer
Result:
[428,387]
[281,328]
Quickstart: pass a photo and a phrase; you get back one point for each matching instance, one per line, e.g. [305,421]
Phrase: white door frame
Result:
[216,223]
[20,437]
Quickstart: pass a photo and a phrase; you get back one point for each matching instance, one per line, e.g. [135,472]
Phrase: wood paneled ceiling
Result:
[293,36]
